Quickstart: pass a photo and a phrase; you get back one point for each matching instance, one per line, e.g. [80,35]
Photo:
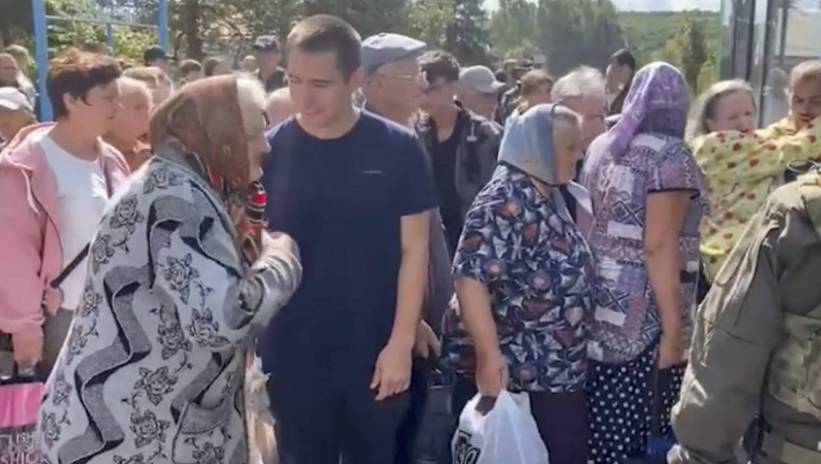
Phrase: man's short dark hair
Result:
[76,73]
[154,53]
[209,65]
[438,63]
[327,33]
[624,57]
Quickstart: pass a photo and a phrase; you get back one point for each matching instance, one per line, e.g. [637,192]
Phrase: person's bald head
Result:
[279,106]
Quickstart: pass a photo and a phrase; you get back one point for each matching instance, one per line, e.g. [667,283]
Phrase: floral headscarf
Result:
[201,125]
[658,102]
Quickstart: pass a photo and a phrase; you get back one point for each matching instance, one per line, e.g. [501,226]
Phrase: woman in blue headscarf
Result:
[648,198]
[524,278]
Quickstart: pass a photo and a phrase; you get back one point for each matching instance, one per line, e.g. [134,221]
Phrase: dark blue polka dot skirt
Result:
[622,409]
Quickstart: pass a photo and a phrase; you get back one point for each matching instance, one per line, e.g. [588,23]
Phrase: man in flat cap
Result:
[392,85]
[266,49]
[392,89]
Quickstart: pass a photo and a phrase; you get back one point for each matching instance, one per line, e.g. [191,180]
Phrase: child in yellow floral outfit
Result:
[742,169]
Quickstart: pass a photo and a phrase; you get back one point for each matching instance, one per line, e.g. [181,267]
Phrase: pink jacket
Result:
[30,247]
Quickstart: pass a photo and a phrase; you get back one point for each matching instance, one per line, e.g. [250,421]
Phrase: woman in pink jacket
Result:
[55,181]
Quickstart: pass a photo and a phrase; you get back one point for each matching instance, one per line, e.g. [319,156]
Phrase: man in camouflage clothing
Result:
[756,353]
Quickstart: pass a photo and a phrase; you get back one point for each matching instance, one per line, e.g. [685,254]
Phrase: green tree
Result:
[466,35]
[428,20]
[689,50]
[575,32]
[368,17]
[514,29]
[15,22]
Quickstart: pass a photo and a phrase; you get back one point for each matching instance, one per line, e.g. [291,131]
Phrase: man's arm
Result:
[738,327]
[392,371]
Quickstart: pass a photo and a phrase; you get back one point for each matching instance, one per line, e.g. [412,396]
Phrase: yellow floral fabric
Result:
[742,170]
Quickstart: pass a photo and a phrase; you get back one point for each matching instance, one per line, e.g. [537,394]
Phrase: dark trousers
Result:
[560,417]
[55,333]
[411,425]
[320,423]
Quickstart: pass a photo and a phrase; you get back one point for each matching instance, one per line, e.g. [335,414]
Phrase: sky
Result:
[649,5]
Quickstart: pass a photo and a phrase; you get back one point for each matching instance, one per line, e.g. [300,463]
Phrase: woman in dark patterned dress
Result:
[525,279]
[153,368]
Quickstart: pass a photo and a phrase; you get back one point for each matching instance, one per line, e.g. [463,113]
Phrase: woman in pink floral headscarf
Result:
[648,199]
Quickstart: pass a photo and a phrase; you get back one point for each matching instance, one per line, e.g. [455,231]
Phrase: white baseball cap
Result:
[13,99]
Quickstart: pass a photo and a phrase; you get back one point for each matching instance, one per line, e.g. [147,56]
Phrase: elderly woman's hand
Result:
[491,374]
[278,241]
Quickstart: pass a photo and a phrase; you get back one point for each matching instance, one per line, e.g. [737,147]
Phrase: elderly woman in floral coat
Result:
[153,369]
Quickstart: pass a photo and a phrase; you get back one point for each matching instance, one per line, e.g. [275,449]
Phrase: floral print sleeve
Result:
[477,253]
[539,274]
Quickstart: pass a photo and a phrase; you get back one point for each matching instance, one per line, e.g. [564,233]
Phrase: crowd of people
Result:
[378,215]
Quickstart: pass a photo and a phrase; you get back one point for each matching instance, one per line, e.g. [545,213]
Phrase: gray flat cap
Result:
[386,48]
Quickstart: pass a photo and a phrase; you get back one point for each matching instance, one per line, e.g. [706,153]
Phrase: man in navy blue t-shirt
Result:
[355,193]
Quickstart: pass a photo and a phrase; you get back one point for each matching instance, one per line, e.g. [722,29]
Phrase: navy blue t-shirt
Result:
[341,200]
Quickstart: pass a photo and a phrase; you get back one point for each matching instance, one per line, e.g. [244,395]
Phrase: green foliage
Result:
[688,50]
[63,34]
[428,20]
[466,35]
[648,33]
[130,43]
[574,32]
[514,29]
[15,21]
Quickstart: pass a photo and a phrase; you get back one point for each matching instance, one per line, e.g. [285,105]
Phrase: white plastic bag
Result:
[507,434]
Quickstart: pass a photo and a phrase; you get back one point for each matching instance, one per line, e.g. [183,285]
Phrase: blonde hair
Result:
[807,70]
[705,106]
[20,54]
[155,78]
[530,83]
[130,86]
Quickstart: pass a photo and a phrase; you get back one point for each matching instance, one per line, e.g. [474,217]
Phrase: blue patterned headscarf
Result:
[528,142]
[658,102]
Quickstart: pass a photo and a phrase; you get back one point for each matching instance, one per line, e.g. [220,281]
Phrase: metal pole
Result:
[109,35]
[162,23]
[38,9]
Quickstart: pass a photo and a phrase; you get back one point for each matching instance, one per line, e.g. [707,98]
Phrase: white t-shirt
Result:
[81,197]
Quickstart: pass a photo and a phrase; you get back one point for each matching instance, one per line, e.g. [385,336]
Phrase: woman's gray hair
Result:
[583,81]
[705,106]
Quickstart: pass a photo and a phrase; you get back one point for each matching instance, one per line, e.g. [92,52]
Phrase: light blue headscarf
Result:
[528,146]
[528,142]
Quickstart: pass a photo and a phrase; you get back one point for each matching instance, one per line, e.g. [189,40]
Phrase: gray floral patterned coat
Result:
[153,367]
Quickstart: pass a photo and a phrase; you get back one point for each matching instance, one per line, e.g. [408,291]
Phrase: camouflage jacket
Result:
[767,283]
